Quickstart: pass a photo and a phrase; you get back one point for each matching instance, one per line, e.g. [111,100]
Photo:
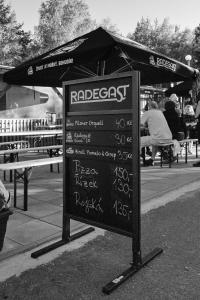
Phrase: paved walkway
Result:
[79,270]
[43,220]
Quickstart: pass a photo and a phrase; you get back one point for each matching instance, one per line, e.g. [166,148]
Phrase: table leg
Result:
[170,151]
[161,157]
[196,149]
[186,151]
[4,172]
[25,189]
[50,155]
[15,188]
[143,154]
[24,177]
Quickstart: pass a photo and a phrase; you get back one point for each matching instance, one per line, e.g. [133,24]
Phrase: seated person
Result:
[159,131]
[174,98]
[144,131]
[174,121]
[188,113]
[189,117]
[197,117]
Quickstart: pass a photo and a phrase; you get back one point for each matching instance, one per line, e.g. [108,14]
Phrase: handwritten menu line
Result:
[105,138]
[108,154]
[89,192]
[105,122]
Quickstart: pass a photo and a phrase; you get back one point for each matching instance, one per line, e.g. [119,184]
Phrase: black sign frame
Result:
[133,111]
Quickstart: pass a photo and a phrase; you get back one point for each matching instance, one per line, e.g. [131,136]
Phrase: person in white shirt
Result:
[159,131]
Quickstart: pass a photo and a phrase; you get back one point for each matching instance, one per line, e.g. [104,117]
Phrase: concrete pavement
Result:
[79,270]
[26,230]
[43,220]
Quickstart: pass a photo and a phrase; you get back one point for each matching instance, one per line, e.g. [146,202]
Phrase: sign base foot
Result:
[61,242]
[111,286]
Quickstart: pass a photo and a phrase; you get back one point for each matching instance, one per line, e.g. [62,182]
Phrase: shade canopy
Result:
[182,89]
[98,52]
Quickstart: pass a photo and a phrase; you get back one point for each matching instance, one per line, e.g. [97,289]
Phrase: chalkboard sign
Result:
[101,192]
[101,180]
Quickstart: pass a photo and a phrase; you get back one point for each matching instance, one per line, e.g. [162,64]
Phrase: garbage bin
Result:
[4,215]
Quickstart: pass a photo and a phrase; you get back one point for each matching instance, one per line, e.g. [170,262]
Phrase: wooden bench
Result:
[185,144]
[11,155]
[23,150]
[24,175]
[161,147]
[55,132]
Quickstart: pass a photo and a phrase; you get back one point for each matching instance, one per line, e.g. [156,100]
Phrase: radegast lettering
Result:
[166,64]
[103,94]
[161,62]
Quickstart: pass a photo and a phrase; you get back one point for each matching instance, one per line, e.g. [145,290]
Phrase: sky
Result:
[123,13]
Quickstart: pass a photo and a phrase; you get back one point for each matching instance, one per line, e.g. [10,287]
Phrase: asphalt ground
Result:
[84,266]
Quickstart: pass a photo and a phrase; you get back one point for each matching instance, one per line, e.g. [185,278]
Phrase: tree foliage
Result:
[164,38]
[107,25]
[14,41]
[61,21]
[196,46]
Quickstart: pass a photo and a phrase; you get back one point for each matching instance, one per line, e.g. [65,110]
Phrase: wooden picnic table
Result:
[11,155]
[29,133]
[14,144]
[23,150]
[38,135]
[185,144]
[24,175]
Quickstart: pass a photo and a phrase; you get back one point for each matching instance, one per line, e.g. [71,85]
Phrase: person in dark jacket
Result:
[174,121]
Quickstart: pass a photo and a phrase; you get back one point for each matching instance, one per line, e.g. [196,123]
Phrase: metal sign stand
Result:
[135,223]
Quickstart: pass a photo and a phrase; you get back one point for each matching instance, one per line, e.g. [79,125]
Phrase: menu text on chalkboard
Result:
[101,144]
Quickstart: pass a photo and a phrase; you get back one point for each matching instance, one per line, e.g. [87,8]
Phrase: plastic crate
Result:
[4,215]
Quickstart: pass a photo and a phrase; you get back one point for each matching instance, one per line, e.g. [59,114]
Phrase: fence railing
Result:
[26,124]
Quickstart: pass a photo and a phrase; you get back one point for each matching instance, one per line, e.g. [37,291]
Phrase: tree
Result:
[164,38]
[13,39]
[107,25]
[196,47]
[181,44]
[61,21]
[142,32]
